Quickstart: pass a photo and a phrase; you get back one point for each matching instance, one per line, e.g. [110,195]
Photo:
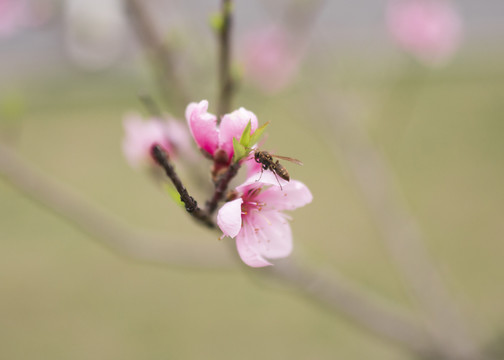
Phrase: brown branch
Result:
[162,58]
[221,187]
[190,204]
[371,312]
[226,83]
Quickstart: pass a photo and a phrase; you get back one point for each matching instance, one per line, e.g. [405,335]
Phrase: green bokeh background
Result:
[65,296]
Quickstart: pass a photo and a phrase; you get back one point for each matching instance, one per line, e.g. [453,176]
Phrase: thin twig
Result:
[300,16]
[191,205]
[169,82]
[374,313]
[150,105]
[226,83]
[176,251]
[221,187]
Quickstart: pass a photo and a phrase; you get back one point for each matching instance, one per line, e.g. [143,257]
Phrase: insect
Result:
[268,163]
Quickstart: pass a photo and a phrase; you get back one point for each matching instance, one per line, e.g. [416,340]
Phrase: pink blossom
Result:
[269,59]
[16,15]
[428,29]
[12,16]
[252,167]
[256,218]
[211,137]
[142,134]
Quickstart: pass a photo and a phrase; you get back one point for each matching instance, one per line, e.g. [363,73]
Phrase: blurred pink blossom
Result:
[428,29]
[141,135]
[251,165]
[211,137]
[269,59]
[16,15]
[256,219]
[12,13]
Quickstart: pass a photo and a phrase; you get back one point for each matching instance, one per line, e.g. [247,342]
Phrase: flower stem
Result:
[226,83]
[221,187]
[191,205]
[163,61]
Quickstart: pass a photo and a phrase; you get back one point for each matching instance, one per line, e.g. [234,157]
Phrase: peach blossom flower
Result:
[142,134]
[430,30]
[269,60]
[210,137]
[256,218]
[16,15]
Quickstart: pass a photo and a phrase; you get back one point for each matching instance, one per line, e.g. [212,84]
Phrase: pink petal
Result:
[249,253]
[13,14]
[229,218]
[139,137]
[265,235]
[293,195]
[266,177]
[275,236]
[429,30]
[253,167]
[179,137]
[203,126]
[232,126]
[270,61]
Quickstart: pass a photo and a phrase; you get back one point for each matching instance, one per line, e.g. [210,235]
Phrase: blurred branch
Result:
[226,83]
[162,58]
[300,17]
[371,313]
[101,225]
[401,234]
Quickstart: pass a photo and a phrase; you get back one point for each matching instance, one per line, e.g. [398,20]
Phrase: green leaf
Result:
[216,22]
[245,137]
[240,151]
[174,195]
[257,135]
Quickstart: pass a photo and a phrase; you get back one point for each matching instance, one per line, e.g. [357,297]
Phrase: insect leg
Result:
[262,170]
[278,181]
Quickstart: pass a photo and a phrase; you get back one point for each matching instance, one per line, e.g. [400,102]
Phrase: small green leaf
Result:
[257,135]
[174,195]
[216,22]
[245,137]
[239,151]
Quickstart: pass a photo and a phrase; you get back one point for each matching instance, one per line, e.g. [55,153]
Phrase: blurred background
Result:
[69,72]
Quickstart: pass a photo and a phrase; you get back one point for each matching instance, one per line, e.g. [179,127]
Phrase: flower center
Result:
[250,202]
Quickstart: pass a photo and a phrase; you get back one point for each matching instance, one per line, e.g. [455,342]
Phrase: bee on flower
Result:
[256,219]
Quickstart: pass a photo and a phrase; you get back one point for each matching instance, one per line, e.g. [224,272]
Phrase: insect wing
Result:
[295,161]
